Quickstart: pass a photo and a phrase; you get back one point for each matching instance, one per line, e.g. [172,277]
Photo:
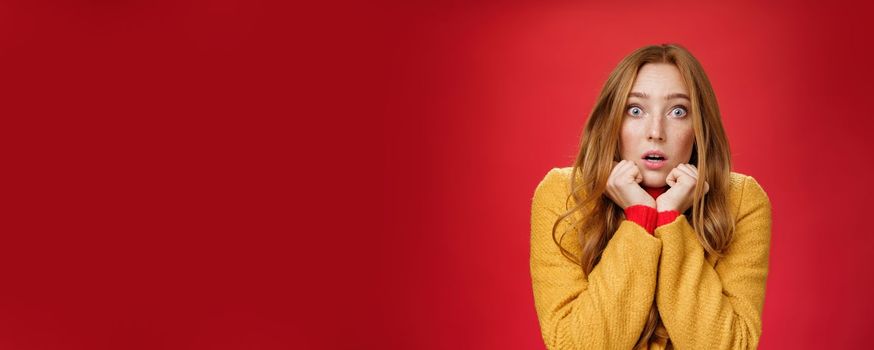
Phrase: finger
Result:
[623,163]
[693,171]
[685,173]
[619,174]
[616,168]
[634,167]
[672,177]
[688,171]
[630,171]
[693,168]
[625,167]
[690,167]
[638,175]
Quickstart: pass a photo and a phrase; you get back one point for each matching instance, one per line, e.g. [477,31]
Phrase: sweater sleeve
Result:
[643,215]
[707,307]
[608,308]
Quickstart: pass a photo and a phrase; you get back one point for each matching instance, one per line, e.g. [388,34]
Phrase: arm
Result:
[704,307]
[609,308]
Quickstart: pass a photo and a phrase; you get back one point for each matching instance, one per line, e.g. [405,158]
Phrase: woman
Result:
[650,240]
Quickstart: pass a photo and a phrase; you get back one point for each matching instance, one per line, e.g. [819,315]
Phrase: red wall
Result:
[497,96]
[256,175]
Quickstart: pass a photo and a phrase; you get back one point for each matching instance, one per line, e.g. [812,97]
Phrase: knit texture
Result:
[646,216]
[704,302]
[643,215]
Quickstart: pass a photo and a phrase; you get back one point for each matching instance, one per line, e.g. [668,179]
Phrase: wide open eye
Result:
[679,112]
[635,111]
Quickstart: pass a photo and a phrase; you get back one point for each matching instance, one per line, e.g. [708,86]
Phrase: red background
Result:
[256,175]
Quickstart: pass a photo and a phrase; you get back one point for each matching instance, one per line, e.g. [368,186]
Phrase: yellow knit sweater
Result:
[704,303]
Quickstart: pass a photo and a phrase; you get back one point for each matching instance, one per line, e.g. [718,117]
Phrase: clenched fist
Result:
[682,180]
[623,186]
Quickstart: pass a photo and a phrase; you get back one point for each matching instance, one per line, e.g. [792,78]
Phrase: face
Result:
[657,130]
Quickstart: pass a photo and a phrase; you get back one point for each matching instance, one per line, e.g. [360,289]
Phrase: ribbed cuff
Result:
[643,215]
[666,217]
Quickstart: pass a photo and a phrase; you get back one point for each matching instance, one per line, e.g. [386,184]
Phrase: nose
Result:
[655,132]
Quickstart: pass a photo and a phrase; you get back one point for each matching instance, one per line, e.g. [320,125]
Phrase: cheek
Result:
[626,139]
[686,142]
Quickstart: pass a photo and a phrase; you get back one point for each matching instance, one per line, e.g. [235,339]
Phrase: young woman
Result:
[650,240]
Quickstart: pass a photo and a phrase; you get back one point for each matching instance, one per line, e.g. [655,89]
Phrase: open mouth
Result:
[654,159]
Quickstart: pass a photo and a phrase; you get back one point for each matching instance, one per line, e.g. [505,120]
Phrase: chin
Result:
[654,180]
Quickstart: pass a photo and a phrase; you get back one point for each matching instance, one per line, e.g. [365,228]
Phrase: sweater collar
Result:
[655,192]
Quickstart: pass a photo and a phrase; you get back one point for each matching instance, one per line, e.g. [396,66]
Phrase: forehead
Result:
[659,79]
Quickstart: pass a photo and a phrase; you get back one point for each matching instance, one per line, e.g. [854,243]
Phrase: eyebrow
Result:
[667,98]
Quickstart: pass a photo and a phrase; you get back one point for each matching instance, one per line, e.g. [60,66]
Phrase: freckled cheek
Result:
[685,142]
[627,143]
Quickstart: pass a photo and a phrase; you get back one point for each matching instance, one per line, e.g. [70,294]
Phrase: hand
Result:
[682,180]
[623,186]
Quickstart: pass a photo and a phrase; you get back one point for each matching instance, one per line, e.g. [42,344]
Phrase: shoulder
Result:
[745,192]
[554,187]
[562,174]
[556,180]
[552,200]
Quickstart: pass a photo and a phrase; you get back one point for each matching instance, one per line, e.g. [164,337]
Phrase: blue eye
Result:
[635,111]
[678,112]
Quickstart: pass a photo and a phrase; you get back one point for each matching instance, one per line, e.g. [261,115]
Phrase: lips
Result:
[654,159]
[654,154]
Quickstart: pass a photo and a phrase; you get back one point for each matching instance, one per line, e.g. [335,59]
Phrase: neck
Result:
[655,192]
